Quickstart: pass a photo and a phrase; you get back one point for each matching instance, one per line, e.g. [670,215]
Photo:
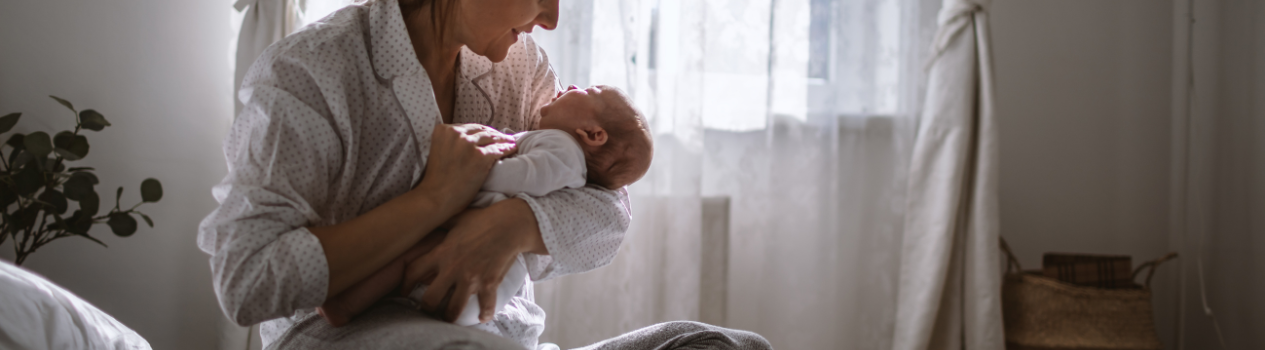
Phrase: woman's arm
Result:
[474,258]
[581,228]
[460,158]
[265,263]
[568,231]
[283,159]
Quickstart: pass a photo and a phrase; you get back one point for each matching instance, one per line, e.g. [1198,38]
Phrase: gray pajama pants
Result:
[683,335]
[391,326]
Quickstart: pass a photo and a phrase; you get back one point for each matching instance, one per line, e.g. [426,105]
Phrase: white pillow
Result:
[37,314]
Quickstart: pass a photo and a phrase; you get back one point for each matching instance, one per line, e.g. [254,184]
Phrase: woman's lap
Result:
[388,325]
[683,335]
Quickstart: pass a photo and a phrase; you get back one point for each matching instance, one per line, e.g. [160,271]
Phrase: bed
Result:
[36,313]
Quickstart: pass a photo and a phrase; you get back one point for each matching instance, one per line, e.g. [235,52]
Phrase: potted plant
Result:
[36,187]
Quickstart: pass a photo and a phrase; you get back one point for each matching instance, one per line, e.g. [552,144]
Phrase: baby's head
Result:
[614,136]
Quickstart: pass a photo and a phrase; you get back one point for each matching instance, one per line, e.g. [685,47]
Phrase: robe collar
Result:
[393,57]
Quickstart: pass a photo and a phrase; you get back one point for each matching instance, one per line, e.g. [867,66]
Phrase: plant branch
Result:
[4,162]
[27,242]
[39,233]
[78,122]
[4,227]
[19,244]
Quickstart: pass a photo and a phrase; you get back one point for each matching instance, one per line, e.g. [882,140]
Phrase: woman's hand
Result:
[461,155]
[474,258]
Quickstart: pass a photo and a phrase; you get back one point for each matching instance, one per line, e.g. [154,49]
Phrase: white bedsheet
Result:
[37,314]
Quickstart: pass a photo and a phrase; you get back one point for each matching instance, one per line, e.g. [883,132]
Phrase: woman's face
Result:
[490,27]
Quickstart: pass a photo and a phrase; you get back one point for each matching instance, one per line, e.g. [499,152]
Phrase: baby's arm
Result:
[547,162]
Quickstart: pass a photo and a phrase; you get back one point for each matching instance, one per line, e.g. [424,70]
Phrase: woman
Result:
[326,184]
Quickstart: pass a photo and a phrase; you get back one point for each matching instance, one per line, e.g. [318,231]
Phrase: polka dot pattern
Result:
[337,120]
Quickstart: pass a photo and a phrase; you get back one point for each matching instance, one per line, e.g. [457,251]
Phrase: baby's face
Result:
[574,108]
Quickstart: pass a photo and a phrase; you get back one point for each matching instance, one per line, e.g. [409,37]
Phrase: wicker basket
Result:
[1043,313]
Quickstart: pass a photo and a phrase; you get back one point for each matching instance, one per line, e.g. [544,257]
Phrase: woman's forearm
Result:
[582,228]
[475,256]
[519,222]
[356,248]
[459,160]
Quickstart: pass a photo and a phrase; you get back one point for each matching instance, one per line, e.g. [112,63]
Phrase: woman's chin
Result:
[495,54]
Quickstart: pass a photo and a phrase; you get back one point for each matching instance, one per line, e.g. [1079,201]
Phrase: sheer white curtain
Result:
[803,114]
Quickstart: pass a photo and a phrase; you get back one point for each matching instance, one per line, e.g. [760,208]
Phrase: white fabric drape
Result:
[265,22]
[802,113]
[950,285]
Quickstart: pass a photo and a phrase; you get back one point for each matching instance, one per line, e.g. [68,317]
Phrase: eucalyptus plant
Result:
[36,187]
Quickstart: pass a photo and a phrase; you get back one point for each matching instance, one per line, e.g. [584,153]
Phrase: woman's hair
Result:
[441,12]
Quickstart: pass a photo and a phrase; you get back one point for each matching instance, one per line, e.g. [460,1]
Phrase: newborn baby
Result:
[591,136]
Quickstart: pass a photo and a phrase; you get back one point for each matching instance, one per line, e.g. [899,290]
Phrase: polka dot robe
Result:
[337,121]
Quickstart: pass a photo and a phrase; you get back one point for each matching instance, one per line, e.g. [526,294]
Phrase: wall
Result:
[160,72]
[1083,90]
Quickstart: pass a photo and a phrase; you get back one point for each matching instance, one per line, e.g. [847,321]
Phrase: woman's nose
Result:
[548,17]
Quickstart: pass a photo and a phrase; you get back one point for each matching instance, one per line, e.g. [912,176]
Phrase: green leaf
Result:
[8,121]
[90,176]
[79,223]
[58,223]
[71,146]
[21,159]
[92,120]
[27,181]
[16,141]
[62,139]
[63,102]
[38,144]
[56,199]
[79,186]
[122,224]
[13,158]
[151,190]
[90,204]
[148,221]
[7,196]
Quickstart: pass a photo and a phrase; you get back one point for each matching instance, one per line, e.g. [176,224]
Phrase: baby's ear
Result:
[592,135]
